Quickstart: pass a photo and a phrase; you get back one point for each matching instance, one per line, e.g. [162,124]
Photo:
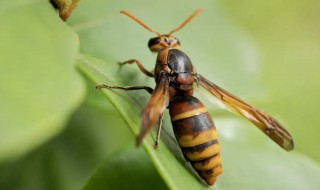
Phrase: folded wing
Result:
[158,102]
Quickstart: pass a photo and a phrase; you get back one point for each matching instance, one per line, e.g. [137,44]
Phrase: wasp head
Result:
[163,41]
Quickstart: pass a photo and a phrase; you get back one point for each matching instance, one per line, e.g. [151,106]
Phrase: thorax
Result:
[177,65]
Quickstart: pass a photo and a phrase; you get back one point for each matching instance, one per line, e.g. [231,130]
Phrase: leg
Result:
[156,143]
[142,69]
[147,88]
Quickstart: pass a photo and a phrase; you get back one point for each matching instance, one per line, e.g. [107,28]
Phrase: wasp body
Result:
[193,127]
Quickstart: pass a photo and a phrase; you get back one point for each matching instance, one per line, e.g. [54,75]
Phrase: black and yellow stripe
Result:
[197,136]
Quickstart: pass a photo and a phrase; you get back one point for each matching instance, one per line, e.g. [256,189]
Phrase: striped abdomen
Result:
[197,136]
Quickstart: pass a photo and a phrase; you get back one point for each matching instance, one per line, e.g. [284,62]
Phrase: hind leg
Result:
[156,143]
[147,88]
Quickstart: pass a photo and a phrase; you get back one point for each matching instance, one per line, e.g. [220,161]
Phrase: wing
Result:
[262,120]
[158,102]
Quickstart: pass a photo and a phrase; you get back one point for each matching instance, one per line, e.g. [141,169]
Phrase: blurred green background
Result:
[58,132]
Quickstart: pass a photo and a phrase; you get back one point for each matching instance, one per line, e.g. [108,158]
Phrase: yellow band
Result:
[198,138]
[189,114]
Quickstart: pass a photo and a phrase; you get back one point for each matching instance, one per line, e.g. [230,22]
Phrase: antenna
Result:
[139,22]
[186,21]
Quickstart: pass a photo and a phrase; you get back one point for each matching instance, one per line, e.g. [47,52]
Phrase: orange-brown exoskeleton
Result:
[193,127]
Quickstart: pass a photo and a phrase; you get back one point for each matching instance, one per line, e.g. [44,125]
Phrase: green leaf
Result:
[68,160]
[219,50]
[128,169]
[244,164]
[222,53]
[39,85]
[129,106]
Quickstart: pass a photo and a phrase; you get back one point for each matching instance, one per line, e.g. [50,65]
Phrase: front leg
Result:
[141,67]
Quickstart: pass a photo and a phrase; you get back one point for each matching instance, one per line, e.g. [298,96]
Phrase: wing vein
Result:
[266,123]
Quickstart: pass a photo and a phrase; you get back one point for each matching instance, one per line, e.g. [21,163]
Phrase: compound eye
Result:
[154,41]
